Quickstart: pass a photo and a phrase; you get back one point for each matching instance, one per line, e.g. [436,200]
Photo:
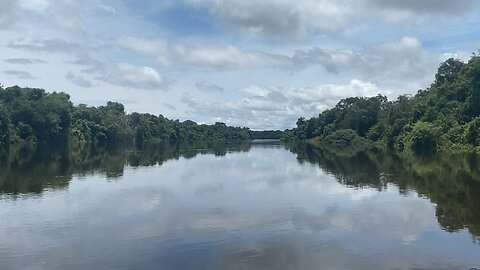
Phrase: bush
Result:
[472,132]
[344,138]
[422,137]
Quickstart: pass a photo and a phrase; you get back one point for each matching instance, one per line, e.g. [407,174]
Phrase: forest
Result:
[36,116]
[444,116]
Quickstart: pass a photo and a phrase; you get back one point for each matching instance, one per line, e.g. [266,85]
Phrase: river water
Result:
[240,206]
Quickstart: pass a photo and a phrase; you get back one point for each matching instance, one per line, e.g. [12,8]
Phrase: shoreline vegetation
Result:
[443,117]
[34,116]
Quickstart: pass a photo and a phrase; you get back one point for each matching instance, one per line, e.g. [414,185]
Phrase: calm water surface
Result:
[257,206]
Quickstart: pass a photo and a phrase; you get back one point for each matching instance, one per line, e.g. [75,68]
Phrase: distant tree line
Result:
[266,134]
[444,116]
[34,115]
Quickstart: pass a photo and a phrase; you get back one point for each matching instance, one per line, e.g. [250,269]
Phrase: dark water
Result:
[248,206]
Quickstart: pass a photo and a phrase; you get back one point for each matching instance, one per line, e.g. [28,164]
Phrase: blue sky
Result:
[260,64]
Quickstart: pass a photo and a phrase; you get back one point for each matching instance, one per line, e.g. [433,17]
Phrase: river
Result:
[258,205]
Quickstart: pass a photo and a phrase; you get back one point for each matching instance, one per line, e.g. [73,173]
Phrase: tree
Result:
[422,137]
[4,125]
[448,71]
[472,132]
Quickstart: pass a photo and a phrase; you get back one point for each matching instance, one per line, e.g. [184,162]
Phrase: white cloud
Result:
[132,76]
[23,61]
[35,5]
[78,80]
[7,16]
[209,87]
[58,15]
[119,74]
[157,47]
[400,65]
[144,75]
[202,56]
[273,107]
[22,75]
[303,18]
[222,57]
[281,17]
[107,8]
[404,60]
[426,6]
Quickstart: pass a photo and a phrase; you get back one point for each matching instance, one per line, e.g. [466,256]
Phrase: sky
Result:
[260,64]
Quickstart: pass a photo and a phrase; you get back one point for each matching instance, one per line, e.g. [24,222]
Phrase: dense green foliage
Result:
[33,115]
[444,116]
[266,134]
[29,114]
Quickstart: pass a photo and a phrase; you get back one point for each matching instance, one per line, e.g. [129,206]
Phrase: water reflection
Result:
[251,206]
[452,181]
[32,169]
